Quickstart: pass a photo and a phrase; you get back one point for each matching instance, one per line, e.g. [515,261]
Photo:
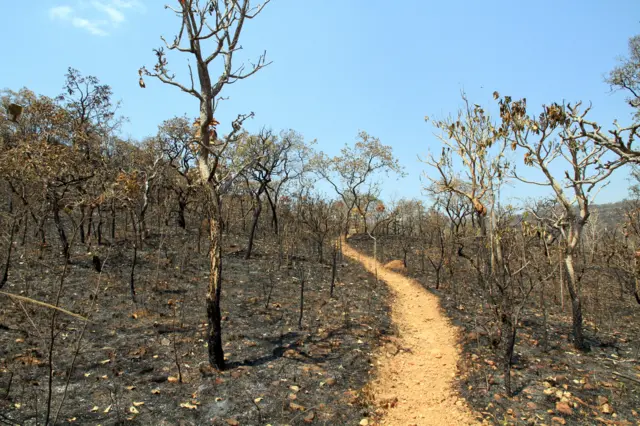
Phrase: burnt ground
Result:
[554,384]
[126,369]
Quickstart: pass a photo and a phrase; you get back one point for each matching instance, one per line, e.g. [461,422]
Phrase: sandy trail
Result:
[420,377]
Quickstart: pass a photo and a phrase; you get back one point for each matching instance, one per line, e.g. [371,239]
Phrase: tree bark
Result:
[509,336]
[7,264]
[254,226]
[576,303]
[182,222]
[60,227]
[216,352]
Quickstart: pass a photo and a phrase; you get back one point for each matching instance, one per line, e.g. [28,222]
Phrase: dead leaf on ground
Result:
[296,407]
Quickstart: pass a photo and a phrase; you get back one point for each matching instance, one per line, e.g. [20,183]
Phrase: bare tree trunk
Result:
[576,303]
[334,264]
[113,221]
[7,263]
[81,229]
[509,336]
[274,213]
[216,352]
[99,228]
[132,275]
[254,225]
[60,227]
[302,280]
[182,222]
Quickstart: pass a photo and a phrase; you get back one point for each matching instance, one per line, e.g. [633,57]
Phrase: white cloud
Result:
[60,12]
[94,27]
[114,14]
[127,4]
[98,18]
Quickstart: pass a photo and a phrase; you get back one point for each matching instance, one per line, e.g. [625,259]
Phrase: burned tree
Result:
[209,33]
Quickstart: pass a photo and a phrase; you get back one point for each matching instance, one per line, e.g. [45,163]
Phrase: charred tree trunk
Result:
[7,263]
[254,225]
[509,336]
[81,228]
[576,303]
[274,213]
[99,227]
[182,206]
[334,265]
[302,280]
[64,242]
[113,221]
[132,275]
[216,352]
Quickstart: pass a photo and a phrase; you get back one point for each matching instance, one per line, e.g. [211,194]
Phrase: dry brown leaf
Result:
[189,406]
[296,407]
[309,417]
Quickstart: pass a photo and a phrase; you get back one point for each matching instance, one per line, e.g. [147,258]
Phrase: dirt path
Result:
[420,374]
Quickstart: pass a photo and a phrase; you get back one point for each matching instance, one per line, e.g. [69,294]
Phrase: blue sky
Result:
[340,66]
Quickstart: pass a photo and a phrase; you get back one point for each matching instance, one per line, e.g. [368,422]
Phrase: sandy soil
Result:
[415,372]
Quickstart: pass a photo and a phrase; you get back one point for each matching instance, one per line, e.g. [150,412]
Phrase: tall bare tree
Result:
[209,33]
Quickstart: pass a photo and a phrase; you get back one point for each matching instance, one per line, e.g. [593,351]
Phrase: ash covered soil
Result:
[125,366]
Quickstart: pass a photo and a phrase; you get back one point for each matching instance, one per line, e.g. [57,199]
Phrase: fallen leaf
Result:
[155,391]
[105,361]
[364,422]
[257,400]
[133,410]
[106,410]
[130,388]
[233,422]
[294,388]
[309,417]
[189,406]
[94,409]
[172,379]
[137,404]
[296,407]
[564,408]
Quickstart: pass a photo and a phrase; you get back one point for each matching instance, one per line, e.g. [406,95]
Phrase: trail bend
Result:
[420,374]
